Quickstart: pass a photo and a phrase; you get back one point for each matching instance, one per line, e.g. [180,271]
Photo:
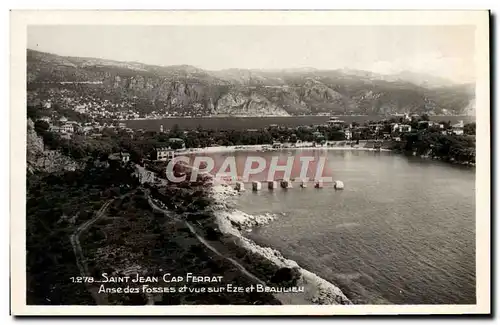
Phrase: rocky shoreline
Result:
[233,222]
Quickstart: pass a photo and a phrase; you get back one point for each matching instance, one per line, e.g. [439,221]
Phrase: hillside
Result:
[41,159]
[186,90]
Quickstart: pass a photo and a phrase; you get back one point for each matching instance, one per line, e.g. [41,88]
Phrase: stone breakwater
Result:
[230,221]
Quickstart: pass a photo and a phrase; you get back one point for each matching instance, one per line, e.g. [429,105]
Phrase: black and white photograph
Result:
[318,160]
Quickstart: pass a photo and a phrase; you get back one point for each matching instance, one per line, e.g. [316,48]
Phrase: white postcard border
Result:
[21,19]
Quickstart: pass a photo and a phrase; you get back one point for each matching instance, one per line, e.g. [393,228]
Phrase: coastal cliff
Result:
[40,159]
[188,91]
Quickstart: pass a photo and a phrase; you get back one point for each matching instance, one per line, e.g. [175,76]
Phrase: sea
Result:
[242,123]
[402,231]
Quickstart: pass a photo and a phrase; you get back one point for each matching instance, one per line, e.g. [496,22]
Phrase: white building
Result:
[146,176]
[124,157]
[401,128]
[458,129]
[68,128]
[428,123]
[164,153]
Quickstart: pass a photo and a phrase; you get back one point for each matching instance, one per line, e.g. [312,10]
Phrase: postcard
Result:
[250,163]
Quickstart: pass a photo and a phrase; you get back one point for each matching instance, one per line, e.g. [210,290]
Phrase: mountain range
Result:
[189,90]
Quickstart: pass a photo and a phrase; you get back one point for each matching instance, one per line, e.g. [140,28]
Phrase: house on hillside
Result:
[144,175]
[163,153]
[458,129]
[55,129]
[426,124]
[404,128]
[176,143]
[68,128]
[122,157]
[401,128]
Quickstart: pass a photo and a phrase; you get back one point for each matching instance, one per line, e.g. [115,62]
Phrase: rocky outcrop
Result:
[244,221]
[237,103]
[40,159]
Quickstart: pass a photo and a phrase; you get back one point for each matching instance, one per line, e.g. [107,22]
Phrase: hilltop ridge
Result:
[185,90]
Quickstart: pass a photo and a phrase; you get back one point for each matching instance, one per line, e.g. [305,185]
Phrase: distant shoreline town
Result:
[106,110]
[396,132]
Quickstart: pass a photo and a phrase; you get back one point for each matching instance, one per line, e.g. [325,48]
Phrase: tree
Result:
[470,128]
[176,131]
[41,126]
[176,144]
[446,124]
[286,276]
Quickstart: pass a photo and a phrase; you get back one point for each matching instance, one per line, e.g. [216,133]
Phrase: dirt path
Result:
[283,297]
[80,259]
[204,242]
[100,299]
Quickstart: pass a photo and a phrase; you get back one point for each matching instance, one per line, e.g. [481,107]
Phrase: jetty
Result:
[287,184]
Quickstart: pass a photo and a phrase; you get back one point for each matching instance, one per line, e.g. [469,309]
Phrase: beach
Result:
[331,145]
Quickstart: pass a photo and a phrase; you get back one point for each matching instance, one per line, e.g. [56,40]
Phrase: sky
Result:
[443,51]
